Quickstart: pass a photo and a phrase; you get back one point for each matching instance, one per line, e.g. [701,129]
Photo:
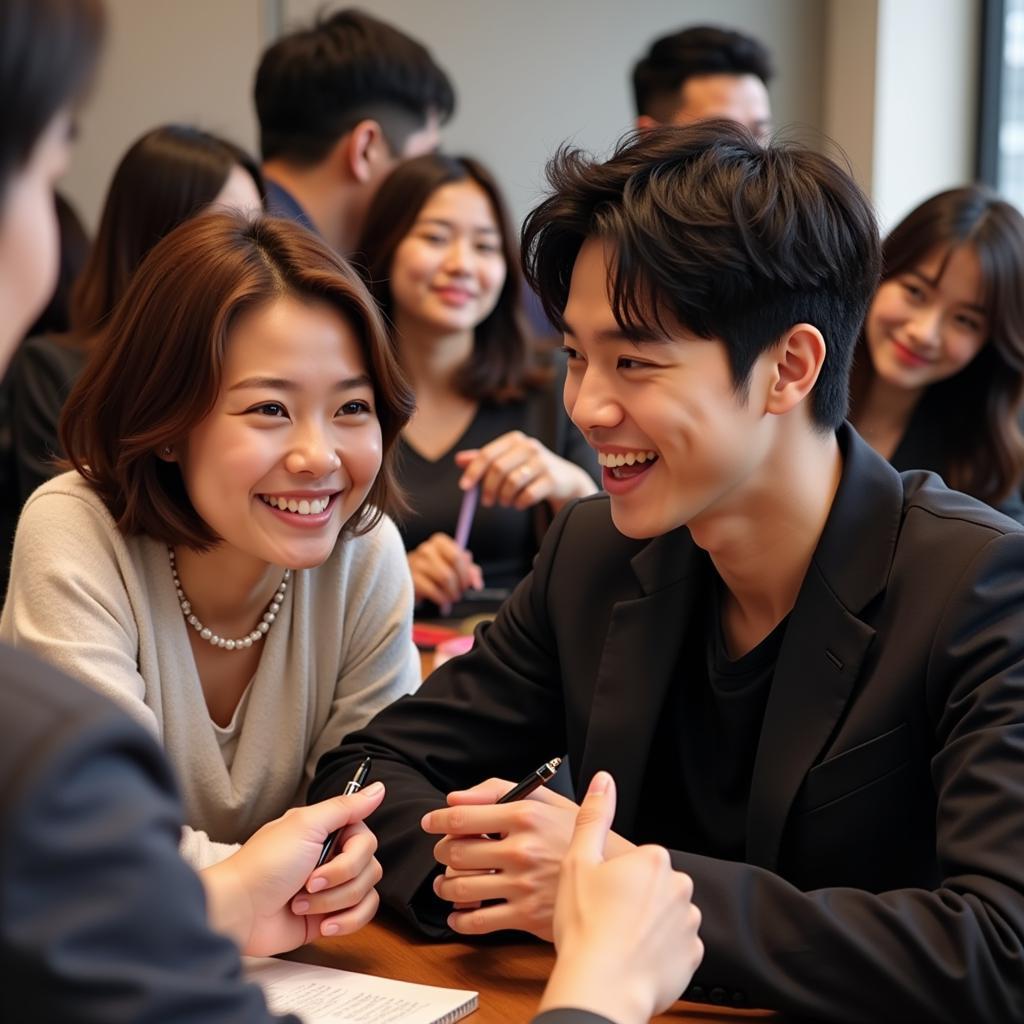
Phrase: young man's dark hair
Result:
[660,74]
[315,85]
[720,236]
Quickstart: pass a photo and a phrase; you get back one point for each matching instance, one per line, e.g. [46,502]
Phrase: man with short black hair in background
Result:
[704,72]
[339,104]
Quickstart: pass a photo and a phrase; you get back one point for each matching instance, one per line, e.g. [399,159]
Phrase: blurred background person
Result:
[168,175]
[442,261]
[704,72]
[339,104]
[938,375]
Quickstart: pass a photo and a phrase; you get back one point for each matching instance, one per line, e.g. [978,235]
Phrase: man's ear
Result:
[363,150]
[644,122]
[797,361]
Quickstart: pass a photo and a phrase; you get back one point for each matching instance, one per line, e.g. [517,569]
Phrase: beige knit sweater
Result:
[101,606]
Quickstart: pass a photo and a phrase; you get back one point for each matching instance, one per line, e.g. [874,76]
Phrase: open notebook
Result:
[323,995]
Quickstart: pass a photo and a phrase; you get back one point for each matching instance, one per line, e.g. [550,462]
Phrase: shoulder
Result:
[930,505]
[367,557]
[68,498]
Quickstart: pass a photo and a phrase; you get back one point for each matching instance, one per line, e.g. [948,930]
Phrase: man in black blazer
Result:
[805,670]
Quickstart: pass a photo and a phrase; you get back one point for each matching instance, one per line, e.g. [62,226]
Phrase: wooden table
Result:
[509,974]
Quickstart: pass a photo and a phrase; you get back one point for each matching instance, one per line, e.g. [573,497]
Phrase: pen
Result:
[533,781]
[466,512]
[352,786]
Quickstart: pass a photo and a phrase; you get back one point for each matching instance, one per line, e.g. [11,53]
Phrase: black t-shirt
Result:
[503,540]
[698,779]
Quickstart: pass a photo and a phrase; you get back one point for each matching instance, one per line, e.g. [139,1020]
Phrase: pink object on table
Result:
[451,649]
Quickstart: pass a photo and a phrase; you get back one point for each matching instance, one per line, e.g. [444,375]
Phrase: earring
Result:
[167,450]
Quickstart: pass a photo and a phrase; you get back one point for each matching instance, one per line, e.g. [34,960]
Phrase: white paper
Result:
[324,995]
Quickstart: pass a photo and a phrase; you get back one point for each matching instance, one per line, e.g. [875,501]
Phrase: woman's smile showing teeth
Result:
[312,508]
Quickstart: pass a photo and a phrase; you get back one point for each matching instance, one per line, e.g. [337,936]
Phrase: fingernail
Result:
[317,884]
[599,784]
[372,789]
[425,821]
[329,929]
[300,906]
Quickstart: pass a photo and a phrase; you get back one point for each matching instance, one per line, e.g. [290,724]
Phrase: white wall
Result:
[184,60]
[532,73]
[901,95]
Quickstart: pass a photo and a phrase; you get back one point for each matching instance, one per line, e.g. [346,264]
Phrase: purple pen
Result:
[466,512]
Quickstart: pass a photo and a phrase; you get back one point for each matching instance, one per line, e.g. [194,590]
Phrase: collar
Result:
[281,203]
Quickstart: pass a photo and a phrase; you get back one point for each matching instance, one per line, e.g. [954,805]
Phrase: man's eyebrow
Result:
[633,337]
[283,384]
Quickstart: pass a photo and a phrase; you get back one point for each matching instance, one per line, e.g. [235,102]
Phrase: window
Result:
[1001,138]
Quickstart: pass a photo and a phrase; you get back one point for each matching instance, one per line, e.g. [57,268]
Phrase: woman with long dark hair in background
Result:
[443,263]
[938,376]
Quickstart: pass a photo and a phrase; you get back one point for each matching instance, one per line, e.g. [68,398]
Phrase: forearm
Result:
[579,983]
[228,907]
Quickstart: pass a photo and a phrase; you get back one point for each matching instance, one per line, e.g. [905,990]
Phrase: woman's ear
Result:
[798,358]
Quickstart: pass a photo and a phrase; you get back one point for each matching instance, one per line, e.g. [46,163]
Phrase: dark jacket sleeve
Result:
[101,919]
[496,711]
[951,951]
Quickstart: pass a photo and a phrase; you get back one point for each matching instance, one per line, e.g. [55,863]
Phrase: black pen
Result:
[352,786]
[533,781]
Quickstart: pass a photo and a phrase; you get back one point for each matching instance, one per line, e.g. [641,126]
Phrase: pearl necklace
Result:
[218,641]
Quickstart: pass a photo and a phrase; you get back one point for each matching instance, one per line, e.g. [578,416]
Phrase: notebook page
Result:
[324,995]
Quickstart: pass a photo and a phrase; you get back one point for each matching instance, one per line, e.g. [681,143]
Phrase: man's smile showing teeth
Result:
[301,506]
[612,460]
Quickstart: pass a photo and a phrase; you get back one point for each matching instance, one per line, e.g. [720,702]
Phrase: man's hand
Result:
[625,928]
[520,869]
[254,895]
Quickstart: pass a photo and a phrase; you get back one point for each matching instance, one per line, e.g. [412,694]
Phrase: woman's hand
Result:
[625,927]
[517,471]
[254,895]
[442,571]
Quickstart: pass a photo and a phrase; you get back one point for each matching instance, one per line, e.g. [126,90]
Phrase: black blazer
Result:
[100,918]
[884,867]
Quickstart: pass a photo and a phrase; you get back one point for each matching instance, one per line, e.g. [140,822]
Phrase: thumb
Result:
[594,820]
[338,811]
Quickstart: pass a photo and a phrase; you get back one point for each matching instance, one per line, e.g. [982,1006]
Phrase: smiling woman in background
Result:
[443,264]
[938,376]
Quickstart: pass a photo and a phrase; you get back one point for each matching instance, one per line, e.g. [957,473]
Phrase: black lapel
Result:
[825,641]
[638,662]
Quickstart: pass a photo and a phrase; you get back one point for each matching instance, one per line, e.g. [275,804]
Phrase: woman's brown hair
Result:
[979,407]
[502,366]
[166,176]
[156,372]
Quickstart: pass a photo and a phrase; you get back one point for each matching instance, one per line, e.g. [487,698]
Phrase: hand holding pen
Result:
[442,569]
[510,883]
